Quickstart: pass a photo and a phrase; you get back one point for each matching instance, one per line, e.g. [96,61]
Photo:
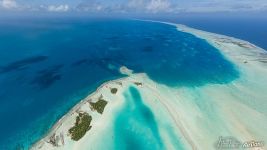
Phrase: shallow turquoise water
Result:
[47,65]
[135,126]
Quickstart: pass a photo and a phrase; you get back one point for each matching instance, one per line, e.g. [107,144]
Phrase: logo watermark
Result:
[229,142]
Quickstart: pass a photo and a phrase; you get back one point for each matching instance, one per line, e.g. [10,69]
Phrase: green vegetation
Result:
[82,125]
[113,90]
[52,140]
[100,105]
[138,83]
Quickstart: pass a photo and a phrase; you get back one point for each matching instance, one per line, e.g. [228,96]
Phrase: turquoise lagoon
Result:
[48,65]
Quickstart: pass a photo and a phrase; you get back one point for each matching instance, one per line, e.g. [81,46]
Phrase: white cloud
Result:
[136,3]
[137,6]
[90,5]
[9,4]
[58,8]
[209,6]
[158,5]
[150,6]
[179,6]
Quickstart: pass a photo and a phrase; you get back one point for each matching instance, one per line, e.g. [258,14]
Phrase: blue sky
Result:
[133,6]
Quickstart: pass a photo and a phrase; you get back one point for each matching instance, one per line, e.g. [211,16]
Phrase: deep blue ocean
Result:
[248,27]
[48,65]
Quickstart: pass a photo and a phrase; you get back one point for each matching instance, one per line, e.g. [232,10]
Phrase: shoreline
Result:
[194,31]
[248,50]
[58,124]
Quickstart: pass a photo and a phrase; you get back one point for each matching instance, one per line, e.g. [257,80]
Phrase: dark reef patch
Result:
[80,62]
[148,49]
[45,78]
[109,37]
[22,64]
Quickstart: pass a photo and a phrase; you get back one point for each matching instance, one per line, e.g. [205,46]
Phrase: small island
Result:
[138,83]
[113,90]
[100,105]
[82,125]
